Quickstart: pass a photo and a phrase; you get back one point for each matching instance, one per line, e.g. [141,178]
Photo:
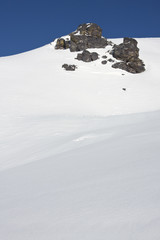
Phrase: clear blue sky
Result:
[25,25]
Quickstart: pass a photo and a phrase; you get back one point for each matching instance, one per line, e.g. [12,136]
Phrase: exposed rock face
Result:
[86,36]
[128,52]
[89,35]
[136,66]
[123,66]
[68,67]
[89,29]
[82,42]
[62,44]
[86,56]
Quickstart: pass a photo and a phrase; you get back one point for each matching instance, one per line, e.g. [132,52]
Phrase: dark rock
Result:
[110,60]
[110,43]
[86,36]
[62,44]
[123,66]
[130,41]
[79,56]
[73,47]
[95,42]
[132,68]
[104,57]
[137,64]
[89,29]
[82,42]
[68,67]
[78,43]
[128,52]
[104,62]
[124,89]
[86,56]
[94,56]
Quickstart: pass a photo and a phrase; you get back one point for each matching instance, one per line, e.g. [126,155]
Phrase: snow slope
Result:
[79,157]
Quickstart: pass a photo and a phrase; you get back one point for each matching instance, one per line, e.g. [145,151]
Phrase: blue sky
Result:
[25,25]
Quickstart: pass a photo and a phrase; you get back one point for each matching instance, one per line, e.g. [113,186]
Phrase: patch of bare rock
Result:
[89,35]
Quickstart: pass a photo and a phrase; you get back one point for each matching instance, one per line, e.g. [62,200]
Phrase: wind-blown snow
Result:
[79,157]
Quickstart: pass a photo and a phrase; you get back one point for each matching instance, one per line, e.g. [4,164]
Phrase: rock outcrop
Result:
[128,53]
[89,35]
[86,36]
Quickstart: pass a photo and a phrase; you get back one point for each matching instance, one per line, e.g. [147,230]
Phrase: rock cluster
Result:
[128,53]
[87,56]
[68,67]
[89,35]
[86,36]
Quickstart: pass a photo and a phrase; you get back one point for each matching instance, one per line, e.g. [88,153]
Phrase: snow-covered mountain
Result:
[79,155]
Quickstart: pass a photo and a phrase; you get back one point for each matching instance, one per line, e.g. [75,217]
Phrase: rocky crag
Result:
[89,36]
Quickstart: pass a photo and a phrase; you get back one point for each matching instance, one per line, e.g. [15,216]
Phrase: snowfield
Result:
[79,157]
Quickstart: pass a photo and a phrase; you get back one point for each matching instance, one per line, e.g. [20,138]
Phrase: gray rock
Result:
[78,43]
[104,62]
[87,35]
[86,56]
[89,29]
[128,52]
[110,60]
[62,44]
[94,56]
[79,56]
[82,42]
[124,66]
[68,67]
[94,42]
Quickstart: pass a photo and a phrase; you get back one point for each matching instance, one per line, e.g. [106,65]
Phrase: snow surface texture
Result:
[79,157]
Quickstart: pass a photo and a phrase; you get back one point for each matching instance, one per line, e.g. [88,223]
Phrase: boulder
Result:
[62,44]
[89,29]
[110,60]
[94,56]
[68,67]
[104,62]
[123,66]
[136,66]
[126,50]
[87,35]
[78,42]
[86,56]
[82,42]
[128,53]
[95,42]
